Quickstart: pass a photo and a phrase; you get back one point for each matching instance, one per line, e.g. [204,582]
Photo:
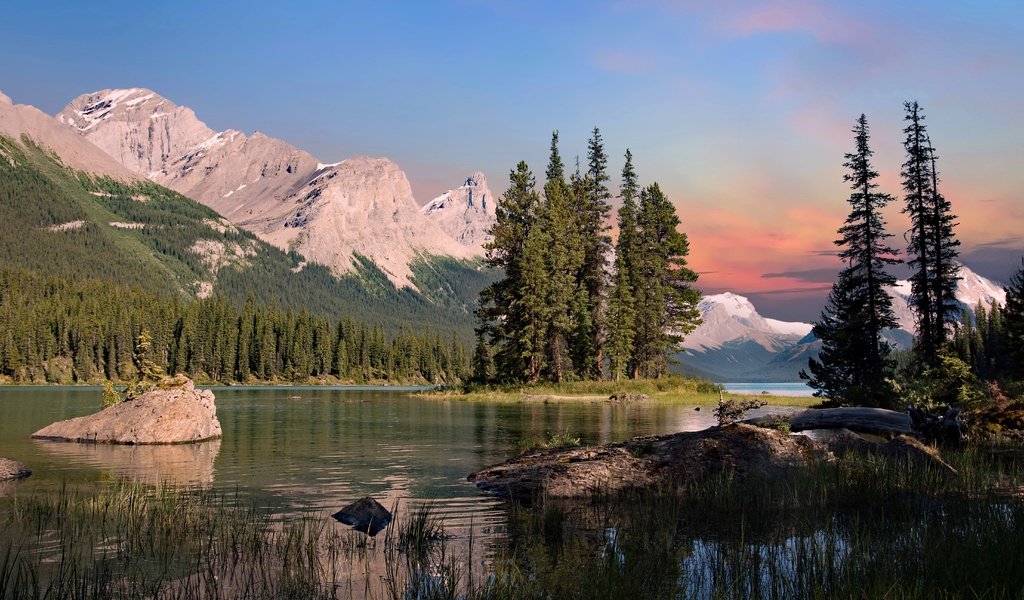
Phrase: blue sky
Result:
[740,109]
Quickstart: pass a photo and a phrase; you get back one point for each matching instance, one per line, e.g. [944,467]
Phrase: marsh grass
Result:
[865,528]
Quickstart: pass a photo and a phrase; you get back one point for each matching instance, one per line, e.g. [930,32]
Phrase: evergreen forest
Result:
[88,263]
[968,357]
[557,315]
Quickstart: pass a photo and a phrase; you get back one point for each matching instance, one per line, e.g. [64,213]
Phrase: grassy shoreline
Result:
[668,390]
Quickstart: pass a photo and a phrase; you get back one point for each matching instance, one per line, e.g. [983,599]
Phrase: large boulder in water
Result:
[172,414]
[643,462]
[12,469]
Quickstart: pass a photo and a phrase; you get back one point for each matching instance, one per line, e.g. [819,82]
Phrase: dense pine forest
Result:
[557,315]
[53,330]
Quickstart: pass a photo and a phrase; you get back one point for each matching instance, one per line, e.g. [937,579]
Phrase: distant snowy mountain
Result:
[735,343]
[970,290]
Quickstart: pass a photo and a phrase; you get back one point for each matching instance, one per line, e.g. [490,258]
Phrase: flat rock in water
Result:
[642,462]
[365,515]
[12,469]
[178,415]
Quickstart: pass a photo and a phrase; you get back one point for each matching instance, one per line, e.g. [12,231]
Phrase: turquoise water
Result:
[795,389]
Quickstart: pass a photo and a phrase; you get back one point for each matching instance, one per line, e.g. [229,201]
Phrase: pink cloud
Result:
[824,24]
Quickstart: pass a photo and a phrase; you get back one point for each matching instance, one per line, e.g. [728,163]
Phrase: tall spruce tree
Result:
[854,367]
[666,301]
[511,313]
[931,242]
[585,305]
[945,271]
[596,245]
[564,257]
[621,317]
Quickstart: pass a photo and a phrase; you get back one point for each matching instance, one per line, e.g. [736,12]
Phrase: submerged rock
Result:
[12,469]
[641,462]
[181,414]
[365,515]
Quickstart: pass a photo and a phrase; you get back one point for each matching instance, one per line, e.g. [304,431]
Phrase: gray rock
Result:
[365,515]
[12,469]
[649,461]
[178,415]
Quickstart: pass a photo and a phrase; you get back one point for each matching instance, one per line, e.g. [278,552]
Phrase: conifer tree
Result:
[666,301]
[597,244]
[854,366]
[586,304]
[622,302]
[511,312]
[931,242]
[564,257]
[945,269]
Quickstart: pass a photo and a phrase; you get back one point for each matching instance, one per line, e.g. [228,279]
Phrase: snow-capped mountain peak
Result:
[970,290]
[733,304]
[728,317]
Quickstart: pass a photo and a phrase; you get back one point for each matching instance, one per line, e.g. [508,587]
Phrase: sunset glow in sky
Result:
[741,109]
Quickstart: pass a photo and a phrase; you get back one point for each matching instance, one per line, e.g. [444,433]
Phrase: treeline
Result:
[61,331]
[991,341]
[557,315]
[856,365]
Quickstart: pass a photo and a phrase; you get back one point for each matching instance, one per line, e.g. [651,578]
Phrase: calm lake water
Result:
[303,448]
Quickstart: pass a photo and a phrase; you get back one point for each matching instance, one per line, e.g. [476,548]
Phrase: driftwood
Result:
[878,421]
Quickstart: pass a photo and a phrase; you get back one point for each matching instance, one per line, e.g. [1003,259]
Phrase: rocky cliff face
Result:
[361,205]
[325,212]
[138,128]
[17,120]
[465,213]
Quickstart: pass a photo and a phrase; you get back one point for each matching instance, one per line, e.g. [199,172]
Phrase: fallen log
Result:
[878,421]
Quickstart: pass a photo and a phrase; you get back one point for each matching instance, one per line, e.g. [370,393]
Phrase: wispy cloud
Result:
[822,275]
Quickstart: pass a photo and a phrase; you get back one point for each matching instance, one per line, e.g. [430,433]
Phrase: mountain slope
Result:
[328,213]
[360,206]
[735,343]
[17,120]
[71,224]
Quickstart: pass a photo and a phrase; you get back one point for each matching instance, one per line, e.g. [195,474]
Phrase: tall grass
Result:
[862,528]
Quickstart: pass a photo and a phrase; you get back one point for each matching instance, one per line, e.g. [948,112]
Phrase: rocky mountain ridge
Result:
[329,213]
[466,213]
[17,120]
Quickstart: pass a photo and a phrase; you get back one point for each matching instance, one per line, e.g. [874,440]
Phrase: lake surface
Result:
[306,448]
[797,389]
